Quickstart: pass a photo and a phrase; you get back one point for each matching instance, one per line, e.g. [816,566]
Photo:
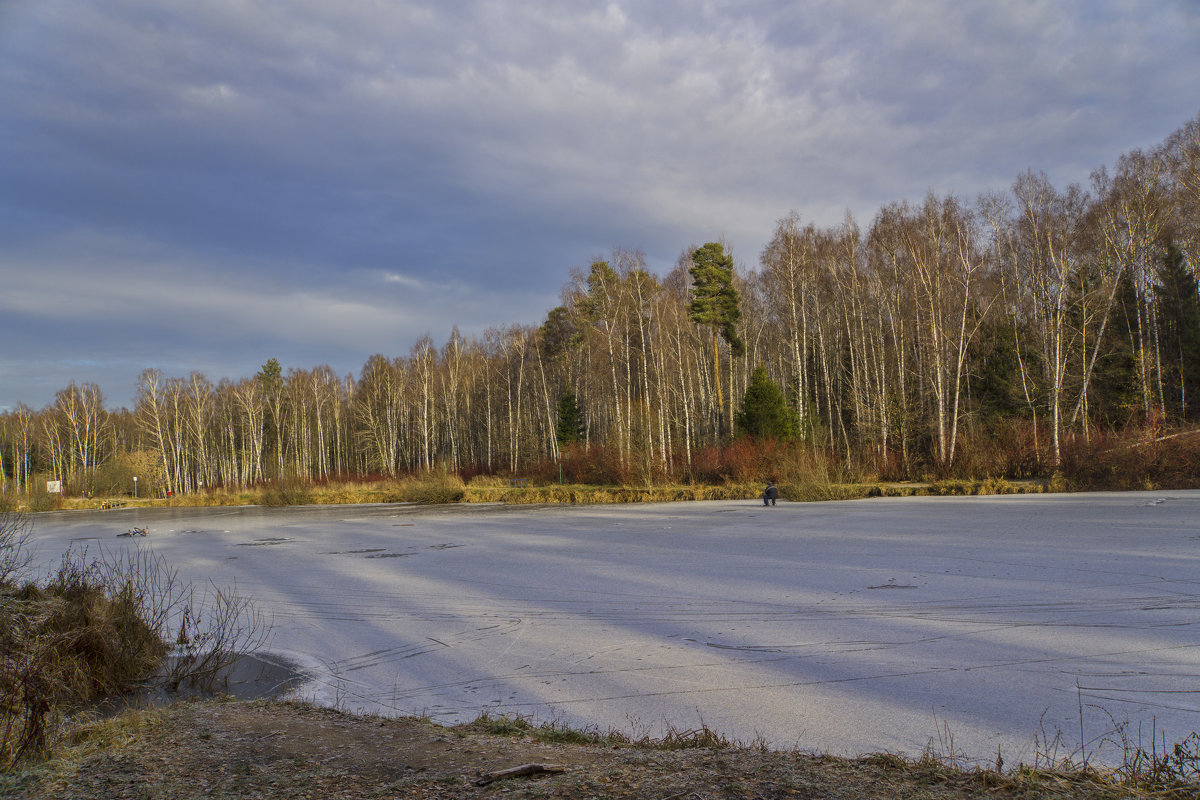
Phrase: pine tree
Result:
[715,304]
[570,420]
[270,378]
[765,413]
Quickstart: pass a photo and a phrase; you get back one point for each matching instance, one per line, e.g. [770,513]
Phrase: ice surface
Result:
[848,627]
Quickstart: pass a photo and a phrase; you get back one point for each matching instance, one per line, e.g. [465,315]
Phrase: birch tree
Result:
[942,249]
[1132,218]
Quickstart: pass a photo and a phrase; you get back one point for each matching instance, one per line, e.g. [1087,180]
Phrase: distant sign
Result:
[54,487]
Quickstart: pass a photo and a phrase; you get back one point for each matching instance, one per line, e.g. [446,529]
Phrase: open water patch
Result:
[257,676]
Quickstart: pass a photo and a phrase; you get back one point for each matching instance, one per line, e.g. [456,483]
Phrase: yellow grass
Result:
[440,488]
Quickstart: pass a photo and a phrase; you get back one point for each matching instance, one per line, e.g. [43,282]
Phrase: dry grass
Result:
[76,638]
[519,493]
[436,489]
[228,750]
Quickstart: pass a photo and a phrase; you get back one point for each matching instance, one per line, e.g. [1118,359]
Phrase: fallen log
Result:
[517,772]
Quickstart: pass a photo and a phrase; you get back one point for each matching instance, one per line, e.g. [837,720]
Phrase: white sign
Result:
[54,487]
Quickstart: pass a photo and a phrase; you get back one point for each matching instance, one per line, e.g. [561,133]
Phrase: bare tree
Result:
[1132,216]
[152,416]
[1181,156]
[378,410]
[1050,236]
[789,261]
[941,245]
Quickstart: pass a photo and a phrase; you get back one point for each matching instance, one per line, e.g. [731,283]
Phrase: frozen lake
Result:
[848,627]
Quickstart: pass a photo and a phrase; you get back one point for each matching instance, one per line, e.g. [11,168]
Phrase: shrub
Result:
[429,489]
[71,640]
[43,500]
[287,492]
[433,494]
[15,555]
[1134,460]
[99,627]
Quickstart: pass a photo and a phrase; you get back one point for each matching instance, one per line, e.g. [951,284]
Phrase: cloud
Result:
[379,169]
[92,307]
[655,115]
[404,280]
[102,282]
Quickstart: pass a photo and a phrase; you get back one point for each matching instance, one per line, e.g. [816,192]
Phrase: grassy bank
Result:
[226,750]
[518,491]
[1140,459]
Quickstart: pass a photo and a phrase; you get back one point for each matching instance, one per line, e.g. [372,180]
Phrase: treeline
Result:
[947,337]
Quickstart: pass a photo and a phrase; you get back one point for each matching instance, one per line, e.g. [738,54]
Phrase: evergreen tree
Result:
[715,303]
[765,413]
[1115,389]
[995,371]
[570,426]
[1179,318]
[270,378]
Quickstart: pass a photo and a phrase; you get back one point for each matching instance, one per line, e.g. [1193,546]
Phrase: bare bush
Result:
[208,630]
[1146,762]
[15,555]
[99,627]
[215,630]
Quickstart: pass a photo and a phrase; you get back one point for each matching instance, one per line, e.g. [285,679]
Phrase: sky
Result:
[205,186]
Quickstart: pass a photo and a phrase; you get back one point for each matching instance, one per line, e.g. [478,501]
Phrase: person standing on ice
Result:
[770,494]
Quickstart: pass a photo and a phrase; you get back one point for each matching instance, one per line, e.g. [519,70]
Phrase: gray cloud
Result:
[265,159]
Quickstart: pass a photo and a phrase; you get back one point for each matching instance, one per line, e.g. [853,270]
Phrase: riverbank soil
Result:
[236,749]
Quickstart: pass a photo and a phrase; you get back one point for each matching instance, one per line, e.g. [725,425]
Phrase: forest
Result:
[1039,331]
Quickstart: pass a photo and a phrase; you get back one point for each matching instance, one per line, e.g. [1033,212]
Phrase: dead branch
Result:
[517,772]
